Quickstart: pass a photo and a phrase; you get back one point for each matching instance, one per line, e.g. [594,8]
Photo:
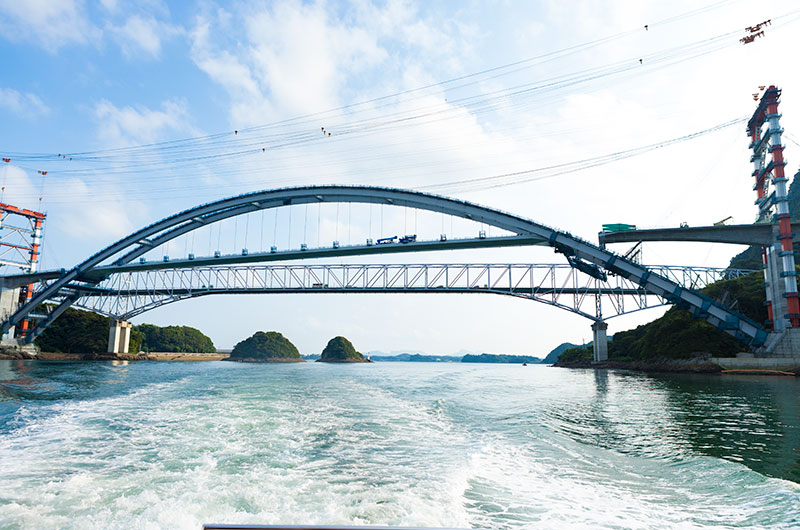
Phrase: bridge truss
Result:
[125,295]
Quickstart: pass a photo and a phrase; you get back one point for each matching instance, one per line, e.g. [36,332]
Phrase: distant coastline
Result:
[223,354]
[142,356]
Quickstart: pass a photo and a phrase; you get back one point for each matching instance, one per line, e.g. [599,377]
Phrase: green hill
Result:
[268,346]
[677,335]
[552,357]
[174,339]
[341,350]
[79,331]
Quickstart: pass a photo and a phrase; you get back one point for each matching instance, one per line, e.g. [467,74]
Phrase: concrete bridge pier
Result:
[599,341]
[9,301]
[119,336]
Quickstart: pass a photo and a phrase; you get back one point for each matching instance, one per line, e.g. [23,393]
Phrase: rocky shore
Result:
[697,365]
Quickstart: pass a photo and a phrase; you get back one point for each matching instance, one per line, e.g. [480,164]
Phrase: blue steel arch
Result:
[581,254]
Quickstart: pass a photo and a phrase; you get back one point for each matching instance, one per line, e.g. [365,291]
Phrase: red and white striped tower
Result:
[761,186]
[781,281]
[36,239]
[24,244]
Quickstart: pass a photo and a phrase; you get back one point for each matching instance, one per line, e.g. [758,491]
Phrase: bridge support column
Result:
[600,341]
[9,301]
[119,336]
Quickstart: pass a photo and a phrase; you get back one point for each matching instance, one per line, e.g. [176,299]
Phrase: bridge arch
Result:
[581,254]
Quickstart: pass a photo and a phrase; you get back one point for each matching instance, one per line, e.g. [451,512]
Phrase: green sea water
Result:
[176,445]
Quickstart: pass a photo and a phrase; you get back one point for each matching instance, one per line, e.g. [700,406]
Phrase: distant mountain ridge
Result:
[552,357]
[500,359]
[461,356]
[415,358]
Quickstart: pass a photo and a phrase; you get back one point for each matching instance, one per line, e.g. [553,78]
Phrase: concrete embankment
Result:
[704,364]
[746,364]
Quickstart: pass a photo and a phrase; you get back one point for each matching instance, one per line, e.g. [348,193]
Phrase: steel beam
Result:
[755,234]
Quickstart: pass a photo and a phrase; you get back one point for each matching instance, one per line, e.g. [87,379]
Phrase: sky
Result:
[116,114]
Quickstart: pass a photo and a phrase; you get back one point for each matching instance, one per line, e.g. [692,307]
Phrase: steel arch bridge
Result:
[86,280]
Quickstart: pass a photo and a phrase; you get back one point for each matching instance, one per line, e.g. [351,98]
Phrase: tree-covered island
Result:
[84,332]
[341,350]
[267,347]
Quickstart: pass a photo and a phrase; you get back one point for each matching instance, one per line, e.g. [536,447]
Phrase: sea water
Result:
[179,444]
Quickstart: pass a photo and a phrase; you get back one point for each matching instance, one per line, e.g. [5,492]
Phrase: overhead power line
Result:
[541,173]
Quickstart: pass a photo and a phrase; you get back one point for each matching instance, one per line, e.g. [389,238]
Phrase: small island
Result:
[266,347]
[341,350]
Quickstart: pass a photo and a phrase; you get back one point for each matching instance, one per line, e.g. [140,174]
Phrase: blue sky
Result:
[97,75]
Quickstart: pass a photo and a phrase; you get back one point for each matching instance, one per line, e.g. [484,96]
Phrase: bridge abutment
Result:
[599,341]
[782,345]
[119,336]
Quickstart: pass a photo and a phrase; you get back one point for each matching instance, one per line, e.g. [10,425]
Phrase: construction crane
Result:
[722,223]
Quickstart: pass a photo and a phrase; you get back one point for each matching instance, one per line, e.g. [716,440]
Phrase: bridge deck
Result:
[100,273]
[755,234]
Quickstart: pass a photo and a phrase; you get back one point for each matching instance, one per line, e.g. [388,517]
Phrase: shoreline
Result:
[699,365]
[265,360]
[152,356]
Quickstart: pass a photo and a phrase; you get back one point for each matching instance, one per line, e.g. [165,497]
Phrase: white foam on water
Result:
[513,487]
[353,445]
[136,462]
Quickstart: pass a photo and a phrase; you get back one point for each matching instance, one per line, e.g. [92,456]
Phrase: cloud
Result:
[304,58]
[17,186]
[110,5]
[26,105]
[142,36]
[106,219]
[295,58]
[109,218]
[131,126]
[51,25]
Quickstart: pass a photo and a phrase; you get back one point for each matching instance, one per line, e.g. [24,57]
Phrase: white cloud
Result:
[103,219]
[131,126]
[17,186]
[26,105]
[110,5]
[142,36]
[48,24]
[296,58]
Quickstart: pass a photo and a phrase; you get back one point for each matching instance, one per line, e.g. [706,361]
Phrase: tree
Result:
[76,331]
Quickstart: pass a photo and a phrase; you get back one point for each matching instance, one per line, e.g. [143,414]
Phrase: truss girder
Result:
[126,295]
[140,242]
